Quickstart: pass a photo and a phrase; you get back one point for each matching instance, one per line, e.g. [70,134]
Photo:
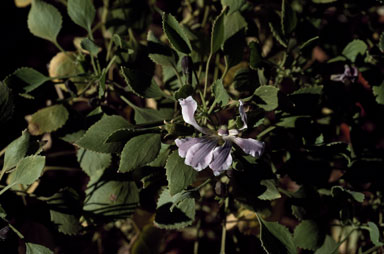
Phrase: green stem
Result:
[206,74]
[50,168]
[62,50]
[94,65]
[226,69]
[7,188]
[216,72]
[20,235]
[212,107]
[341,242]
[205,18]
[372,249]
[111,62]
[201,185]
[224,229]
[196,243]
[177,75]
[261,134]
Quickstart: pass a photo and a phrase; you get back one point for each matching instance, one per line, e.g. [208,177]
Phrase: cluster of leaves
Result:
[107,115]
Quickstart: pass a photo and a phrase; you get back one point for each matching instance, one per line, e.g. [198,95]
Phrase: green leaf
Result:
[82,12]
[121,135]
[174,212]
[33,248]
[140,83]
[110,198]
[64,211]
[233,23]
[44,20]
[374,234]
[288,18]
[276,238]
[148,115]
[307,235]
[268,95]
[139,151]
[91,161]
[378,91]
[357,196]
[289,122]
[6,103]
[68,224]
[329,246]
[73,137]
[158,52]
[99,132]
[381,42]
[337,59]
[31,77]
[255,58]
[271,192]
[221,95]
[217,36]
[16,151]
[175,34]
[316,89]
[278,34]
[179,175]
[161,159]
[354,48]
[234,5]
[323,1]
[29,169]
[48,119]
[90,46]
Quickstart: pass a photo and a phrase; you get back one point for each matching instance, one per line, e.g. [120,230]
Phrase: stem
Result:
[177,75]
[103,20]
[212,107]
[111,62]
[109,49]
[203,101]
[261,134]
[224,230]
[49,168]
[201,185]
[62,50]
[216,72]
[20,235]
[196,243]
[205,18]
[94,65]
[341,242]
[226,69]
[372,249]
[3,151]
[206,75]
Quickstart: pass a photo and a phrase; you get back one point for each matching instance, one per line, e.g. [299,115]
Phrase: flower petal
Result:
[185,144]
[222,158]
[250,146]
[243,115]
[188,108]
[200,155]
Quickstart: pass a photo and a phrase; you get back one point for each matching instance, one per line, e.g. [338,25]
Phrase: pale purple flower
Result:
[213,149]
[350,74]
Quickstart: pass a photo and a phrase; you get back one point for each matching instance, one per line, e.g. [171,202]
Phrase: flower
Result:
[214,148]
[350,74]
